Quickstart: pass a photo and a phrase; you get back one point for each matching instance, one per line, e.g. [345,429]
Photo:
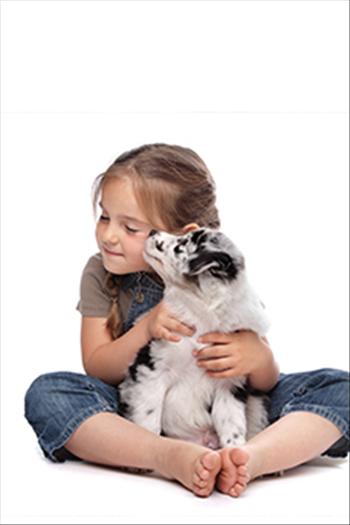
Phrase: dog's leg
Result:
[229,419]
[143,399]
[257,414]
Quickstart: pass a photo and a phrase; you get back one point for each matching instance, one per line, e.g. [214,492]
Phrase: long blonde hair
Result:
[173,185]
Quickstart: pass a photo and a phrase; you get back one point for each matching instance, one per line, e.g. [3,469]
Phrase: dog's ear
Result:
[218,264]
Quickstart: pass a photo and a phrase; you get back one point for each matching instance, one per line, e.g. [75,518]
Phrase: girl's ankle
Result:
[254,465]
[163,456]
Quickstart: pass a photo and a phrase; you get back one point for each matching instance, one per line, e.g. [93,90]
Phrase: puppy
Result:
[165,391]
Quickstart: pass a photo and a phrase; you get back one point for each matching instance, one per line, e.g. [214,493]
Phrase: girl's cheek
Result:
[138,249]
[139,242]
[98,233]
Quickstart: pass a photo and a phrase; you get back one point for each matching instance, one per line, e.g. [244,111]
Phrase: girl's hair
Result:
[173,185]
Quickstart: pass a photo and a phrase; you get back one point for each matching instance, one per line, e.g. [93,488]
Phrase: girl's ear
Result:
[190,227]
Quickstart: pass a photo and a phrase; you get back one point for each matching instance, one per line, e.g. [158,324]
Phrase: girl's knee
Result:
[338,380]
[336,374]
[38,390]
[42,394]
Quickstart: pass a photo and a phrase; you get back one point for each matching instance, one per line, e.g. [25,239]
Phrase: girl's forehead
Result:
[118,198]
[117,185]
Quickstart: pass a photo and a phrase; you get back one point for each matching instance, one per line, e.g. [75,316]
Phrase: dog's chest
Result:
[175,358]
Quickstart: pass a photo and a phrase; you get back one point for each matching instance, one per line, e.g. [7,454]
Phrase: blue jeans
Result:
[57,403]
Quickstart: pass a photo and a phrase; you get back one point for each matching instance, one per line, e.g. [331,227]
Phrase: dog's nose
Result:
[152,232]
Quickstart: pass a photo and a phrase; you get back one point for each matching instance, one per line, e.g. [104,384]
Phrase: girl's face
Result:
[121,229]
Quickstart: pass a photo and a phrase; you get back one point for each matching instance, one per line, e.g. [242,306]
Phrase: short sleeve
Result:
[94,298]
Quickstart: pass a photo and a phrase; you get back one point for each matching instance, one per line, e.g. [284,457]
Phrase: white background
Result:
[259,89]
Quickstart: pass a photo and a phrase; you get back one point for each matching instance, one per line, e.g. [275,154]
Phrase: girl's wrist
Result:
[265,375]
[146,327]
[263,355]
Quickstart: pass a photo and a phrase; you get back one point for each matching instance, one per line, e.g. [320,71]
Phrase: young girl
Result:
[165,187]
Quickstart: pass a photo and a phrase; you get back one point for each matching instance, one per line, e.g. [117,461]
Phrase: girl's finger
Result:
[215,337]
[222,375]
[211,352]
[215,364]
[169,336]
[181,328]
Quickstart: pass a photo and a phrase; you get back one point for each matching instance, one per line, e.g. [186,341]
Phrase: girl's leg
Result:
[74,416]
[294,439]
[309,414]
[109,439]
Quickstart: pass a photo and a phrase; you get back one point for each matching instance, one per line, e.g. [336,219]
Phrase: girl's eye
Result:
[128,229]
[131,230]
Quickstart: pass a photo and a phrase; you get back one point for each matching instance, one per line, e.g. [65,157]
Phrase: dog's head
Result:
[199,256]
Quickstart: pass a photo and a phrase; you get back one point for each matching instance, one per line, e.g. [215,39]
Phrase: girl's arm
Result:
[236,354]
[106,358]
[266,375]
[109,359]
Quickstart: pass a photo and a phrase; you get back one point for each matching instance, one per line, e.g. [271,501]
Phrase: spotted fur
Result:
[165,391]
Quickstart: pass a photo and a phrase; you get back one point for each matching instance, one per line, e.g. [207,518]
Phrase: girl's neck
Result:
[154,276]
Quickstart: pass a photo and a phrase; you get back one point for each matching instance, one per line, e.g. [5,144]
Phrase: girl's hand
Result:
[161,325]
[233,354]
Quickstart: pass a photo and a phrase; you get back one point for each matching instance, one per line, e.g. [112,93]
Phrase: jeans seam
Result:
[329,414]
[74,423]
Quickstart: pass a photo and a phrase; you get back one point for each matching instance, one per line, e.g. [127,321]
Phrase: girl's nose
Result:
[110,236]
[110,239]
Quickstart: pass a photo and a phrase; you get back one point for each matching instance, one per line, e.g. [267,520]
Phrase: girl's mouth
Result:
[115,254]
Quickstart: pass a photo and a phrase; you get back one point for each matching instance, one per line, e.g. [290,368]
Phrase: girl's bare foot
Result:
[234,476]
[194,466]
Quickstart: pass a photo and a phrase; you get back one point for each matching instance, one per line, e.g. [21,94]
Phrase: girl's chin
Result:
[120,267]
[113,266]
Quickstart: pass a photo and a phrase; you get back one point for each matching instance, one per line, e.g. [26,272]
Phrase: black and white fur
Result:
[165,391]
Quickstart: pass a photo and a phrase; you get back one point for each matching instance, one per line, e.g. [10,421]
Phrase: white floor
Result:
[35,490]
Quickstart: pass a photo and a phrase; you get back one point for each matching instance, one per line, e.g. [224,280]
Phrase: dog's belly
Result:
[186,409]
[188,399]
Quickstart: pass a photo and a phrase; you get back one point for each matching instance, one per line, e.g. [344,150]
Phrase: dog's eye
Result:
[178,249]
[180,244]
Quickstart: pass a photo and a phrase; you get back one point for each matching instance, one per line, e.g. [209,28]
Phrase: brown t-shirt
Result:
[95,300]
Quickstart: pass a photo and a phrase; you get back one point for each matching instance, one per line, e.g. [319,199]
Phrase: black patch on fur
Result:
[227,266]
[159,246]
[143,358]
[240,393]
[254,391]
[123,409]
[258,393]
[199,237]
[209,408]
[221,264]
[178,247]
